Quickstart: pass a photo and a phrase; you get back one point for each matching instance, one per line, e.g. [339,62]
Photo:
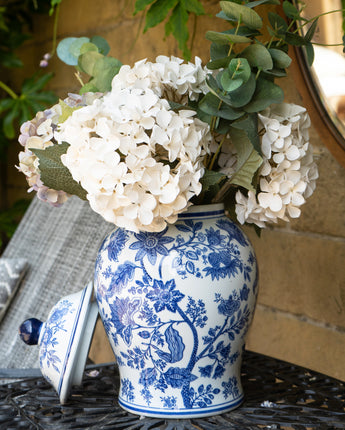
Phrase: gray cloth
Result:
[12,271]
[60,245]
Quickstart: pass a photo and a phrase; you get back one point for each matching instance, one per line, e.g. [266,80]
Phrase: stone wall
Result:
[300,315]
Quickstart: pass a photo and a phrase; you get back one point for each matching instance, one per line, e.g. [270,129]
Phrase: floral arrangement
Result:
[143,143]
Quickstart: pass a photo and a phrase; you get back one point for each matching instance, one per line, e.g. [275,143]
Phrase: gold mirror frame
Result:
[323,123]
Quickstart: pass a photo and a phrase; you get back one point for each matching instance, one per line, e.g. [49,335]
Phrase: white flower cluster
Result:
[139,161]
[38,134]
[169,78]
[288,174]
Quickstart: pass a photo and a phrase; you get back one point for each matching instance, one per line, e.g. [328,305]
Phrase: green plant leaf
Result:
[311,30]
[141,5]
[87,61]
[211,105]
[101,43]
[35,83]
[211,179]
[64,53]
[75,47]
[290,10]
[66,111]
[248,160]
[258,56]
[241,13]
[294,39]
[104,71]
[309,49]
[177,25]
[277,22]
[250,125]
[54,174]
[260,2]
[281,60]
[265,94]
[88,47]
[157,12]
[8,121]
[237,73]
[194,6]
[225,38]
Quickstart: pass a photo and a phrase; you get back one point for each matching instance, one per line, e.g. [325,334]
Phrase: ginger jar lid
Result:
[64,340]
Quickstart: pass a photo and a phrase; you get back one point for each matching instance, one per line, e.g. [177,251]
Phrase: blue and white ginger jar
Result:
[176,306]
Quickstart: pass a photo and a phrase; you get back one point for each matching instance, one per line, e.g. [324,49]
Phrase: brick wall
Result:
[300,315]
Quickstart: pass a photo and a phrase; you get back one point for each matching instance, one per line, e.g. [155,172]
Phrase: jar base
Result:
[181,413]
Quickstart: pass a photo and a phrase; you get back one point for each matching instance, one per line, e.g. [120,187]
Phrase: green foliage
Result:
[90,57]
[175,13]
[32,98]
[54,174]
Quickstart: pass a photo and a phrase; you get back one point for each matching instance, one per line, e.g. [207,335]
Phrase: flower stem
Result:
[8,90]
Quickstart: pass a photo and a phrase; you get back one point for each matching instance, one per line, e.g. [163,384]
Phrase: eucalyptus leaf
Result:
[88,60]
[237,73]
[218,51]
[104,71]
[225,38]
[258,56]
[241,13]
[243,30]
[220,63]
[266,93]
[88,47]
[101,43]
[281,60]
[63,51]
[75,46]
[260,2]
[211,105]
[54,174]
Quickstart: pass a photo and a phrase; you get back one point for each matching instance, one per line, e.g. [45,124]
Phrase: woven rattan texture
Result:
[278,396]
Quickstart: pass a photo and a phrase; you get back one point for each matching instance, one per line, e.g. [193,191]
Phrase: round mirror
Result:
[324,81]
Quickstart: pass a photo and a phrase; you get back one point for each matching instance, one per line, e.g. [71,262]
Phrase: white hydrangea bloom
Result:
[38,134]
[288,173]
[168,78]
[139,161]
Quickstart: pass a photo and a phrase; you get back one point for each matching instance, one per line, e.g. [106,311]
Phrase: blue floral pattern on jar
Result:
[176,306]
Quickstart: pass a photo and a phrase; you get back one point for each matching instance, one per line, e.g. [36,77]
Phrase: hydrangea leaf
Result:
[248,159]
[250,125]
[177,26]
[241,13]
[66,111]
[54,174]
[211,178]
